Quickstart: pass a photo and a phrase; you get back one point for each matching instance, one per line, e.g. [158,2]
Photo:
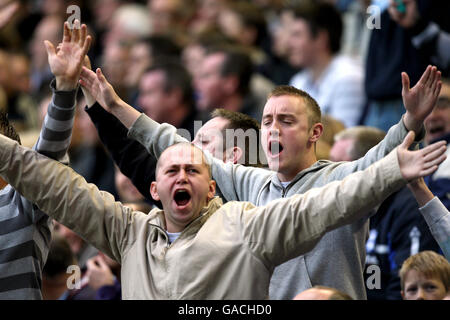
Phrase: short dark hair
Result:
[176,77]
[237,62]
[60,257]
[238,120]
[322,16]
[314,113]
[161,46]
[7,129]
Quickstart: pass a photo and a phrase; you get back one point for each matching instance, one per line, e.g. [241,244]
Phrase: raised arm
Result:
[419,102]
[286,228]
[66,196]
[65,63]
[235,181]
[130,156]
[435,214]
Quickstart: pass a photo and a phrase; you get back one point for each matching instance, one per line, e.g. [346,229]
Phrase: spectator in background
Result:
[335,81]
[390,52]
[425,276]
[15,86]
[331,127]
[56,273]
[206,16]
[224,82]
[171,17]
[49,28]
[142,55]
[397,229]
[245,24]
[437,125]
[116,59]
[129,22]
[277,68]
[166,94]
[82,250]
[103,276]
[126,191]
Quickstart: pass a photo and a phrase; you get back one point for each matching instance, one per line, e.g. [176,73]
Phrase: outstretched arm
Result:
[435,214]
[289,227]
[129,155]
[66,196]
[65,64]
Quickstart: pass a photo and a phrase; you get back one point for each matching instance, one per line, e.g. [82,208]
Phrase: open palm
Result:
[99,88]
[65,63]
[420,100]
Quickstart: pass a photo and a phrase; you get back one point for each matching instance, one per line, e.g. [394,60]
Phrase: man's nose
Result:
[182,176]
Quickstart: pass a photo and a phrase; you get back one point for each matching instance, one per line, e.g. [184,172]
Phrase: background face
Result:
[301,45]
[152,97]
[210,137]
[209,82]
[419,287]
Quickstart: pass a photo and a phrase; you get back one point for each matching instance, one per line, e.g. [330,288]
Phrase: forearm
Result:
[296,224]
[421,192]
[129,155]
[124,112]
[56,132]
[438,220]
[393,138]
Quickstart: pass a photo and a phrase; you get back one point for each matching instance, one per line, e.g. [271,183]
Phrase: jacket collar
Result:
[315,167]
[213,205]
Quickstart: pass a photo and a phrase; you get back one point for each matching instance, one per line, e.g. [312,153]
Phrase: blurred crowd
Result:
[179,60]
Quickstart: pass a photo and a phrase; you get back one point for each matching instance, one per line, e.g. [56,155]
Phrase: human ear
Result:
[233,155]
[212,189]
[154,191]
[316,132]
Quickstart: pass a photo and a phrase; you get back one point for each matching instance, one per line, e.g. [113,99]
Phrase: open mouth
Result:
[275,148]
[182,197]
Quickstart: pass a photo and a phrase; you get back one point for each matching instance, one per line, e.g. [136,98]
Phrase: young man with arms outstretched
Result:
[290,128]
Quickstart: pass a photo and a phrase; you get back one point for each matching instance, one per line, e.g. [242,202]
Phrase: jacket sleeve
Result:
[130,156]
[287,228]
[66,196]
[438,220]
[56,132]
[236,182]
[393,138]
[54,138]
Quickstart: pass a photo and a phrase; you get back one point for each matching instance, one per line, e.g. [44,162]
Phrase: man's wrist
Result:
[411,123]
[65,84]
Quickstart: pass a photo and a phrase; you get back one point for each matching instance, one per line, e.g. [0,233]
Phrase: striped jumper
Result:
[25,231]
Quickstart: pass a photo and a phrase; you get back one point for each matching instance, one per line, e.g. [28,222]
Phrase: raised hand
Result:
[102,91]
[90,100]
[99,88]
[420,100]
[66,62]
[419,163]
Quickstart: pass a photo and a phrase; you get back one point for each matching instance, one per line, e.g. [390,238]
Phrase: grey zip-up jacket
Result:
[338,259]
[228,252]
